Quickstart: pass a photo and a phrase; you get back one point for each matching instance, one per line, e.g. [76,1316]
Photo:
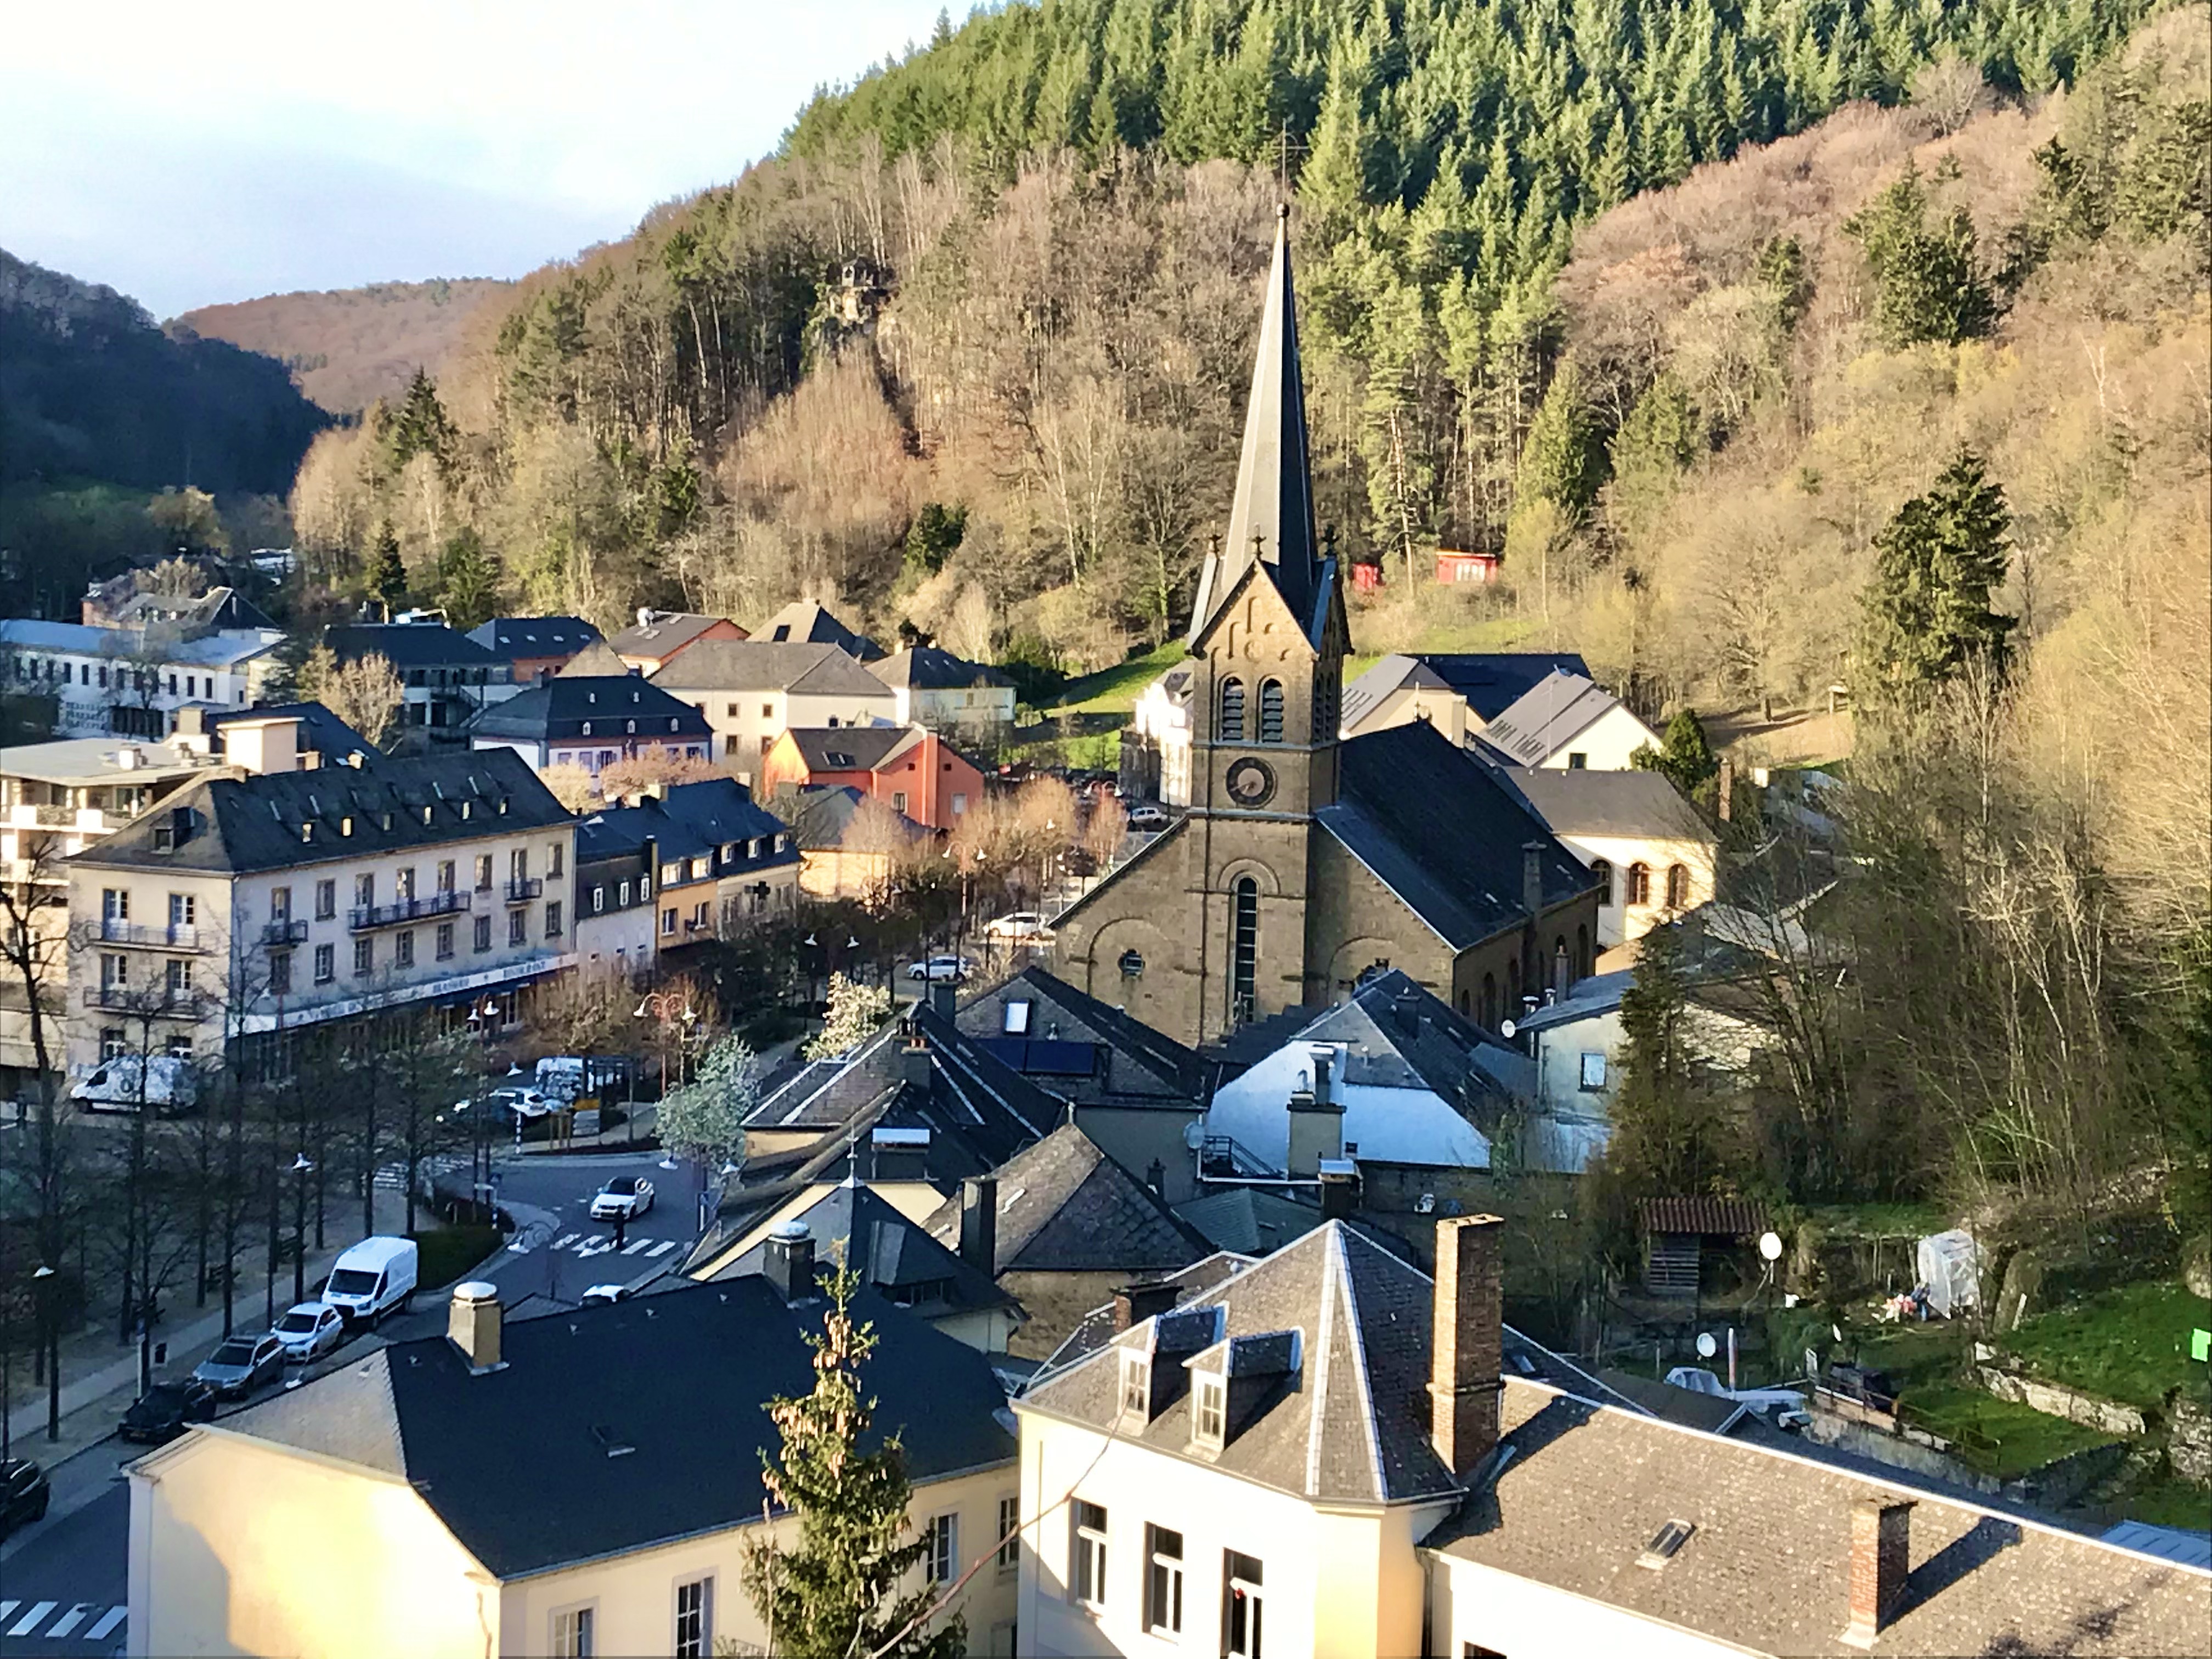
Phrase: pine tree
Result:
[1937,562]
[1685,756]
[469,579]
[835,1593]
[1565,459]
[420,426]
[1930,283]
[388,571]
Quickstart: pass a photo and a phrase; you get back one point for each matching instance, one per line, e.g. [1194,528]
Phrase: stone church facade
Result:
[1305,862]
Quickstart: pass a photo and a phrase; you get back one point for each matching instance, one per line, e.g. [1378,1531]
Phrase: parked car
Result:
[23,1494]
[309,1330]
[523,1102]
[1148,817]
[604,1295]
[240,1364]
[627,1196]
[1019,925]
[951,969]
[162,1413]
[373,1278]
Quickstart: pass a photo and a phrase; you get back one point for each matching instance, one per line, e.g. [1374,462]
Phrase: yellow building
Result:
[586,1482]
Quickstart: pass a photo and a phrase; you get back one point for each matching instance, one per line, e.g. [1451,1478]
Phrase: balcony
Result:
[524,890]
[278,935]
[363,917]
[158,1001]
[182,937]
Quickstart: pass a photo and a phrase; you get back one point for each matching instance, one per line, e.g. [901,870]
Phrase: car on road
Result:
[164,1411]
[1148,817]
[522,1102]
[626,1196]
[23,1495]
[1020,925]
[240,1364]
[940,969]
[309,1330]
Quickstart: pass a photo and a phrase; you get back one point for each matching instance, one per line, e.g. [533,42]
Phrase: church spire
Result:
[1271,517]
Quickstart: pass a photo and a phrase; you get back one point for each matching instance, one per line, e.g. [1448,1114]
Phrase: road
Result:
[62,1580]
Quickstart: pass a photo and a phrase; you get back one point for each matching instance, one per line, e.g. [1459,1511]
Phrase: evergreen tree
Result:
[1564,461]
[419,425]
[1685,758]
[933,537]
[469,579]
[388,571]
[835,1593]
[1930,283]
[1937,563]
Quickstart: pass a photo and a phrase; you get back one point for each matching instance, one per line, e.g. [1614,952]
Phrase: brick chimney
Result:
[1134,1303]
[788,1261]
[979,1224]
[473,1323]
[1882,1556]
[1316,1121]
[1532,878]
[1465,1341]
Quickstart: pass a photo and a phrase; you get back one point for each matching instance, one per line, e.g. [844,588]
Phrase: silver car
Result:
[241,1364]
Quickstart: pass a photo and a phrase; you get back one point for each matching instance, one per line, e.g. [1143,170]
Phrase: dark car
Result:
[240,1364]
[23,1494]
[164,1410]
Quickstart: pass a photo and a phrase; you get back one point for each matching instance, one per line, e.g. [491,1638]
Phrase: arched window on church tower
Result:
[1271,711]
[1244,953]
[1229,728]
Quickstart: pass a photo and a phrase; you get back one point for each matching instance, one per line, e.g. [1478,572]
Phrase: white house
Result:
[1570,722]
[752,691]
[129,682]
[944,692]
[1656,855]
[1160,729]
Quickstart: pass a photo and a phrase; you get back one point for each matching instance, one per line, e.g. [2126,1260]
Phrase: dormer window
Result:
[587,728]
[1137,1383]
[1017,1019]
[1209,1411]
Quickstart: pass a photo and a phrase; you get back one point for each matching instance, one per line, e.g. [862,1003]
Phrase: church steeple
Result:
[1271,517]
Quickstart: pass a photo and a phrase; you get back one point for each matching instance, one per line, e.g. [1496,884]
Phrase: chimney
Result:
[263,748]
[1407,1011]
[788,1261]
[1465,1341]
[1340,1188]
[979,1224]
[913,1060]
[943,998]
[1727,787]
[1532,878]
[1316,1130]
[1882,1555]
[1134,1303]
[472,1325]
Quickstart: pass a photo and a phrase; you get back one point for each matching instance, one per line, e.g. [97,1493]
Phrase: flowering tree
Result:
[704,1121]
[855,1011]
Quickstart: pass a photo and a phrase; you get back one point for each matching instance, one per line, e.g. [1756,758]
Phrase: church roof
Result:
[1270,517]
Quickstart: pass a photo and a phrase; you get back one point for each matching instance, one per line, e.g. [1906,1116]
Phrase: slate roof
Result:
[559,709]
[657,633]
[1587,998]
[519,1463]
[1493,682]
[1767,1567]
[1399,1035]
[1066,1206]
[926,668]
[804,621]
[218,608]
[1389,675]
[219,650]
[242,824]
[1548,717]
[1448,846]
[320,732]
[1096,1329]
[1130,1063]
[407,645]
[689,820]
[820,817]
[851,748]
[764,665]
[897,1254]
[516,638]
[1251,1221]
[1642,805]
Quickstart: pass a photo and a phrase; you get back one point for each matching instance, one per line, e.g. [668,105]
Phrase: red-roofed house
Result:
[910,769]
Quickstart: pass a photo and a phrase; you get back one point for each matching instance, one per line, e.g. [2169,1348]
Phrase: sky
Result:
[186,155]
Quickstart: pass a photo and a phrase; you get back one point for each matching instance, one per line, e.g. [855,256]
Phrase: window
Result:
[699,869]
[695,1619]
[1010,1534]
[621,894]
[327,899]
[1678,887]
[483,870]
[553,919]
[1137,1381]
[279,904]
[1639,885]
[1162,1581]
[644,887]
[113,1044]
[1209,1412]
[518,927]
[1086,1559]
[445,941]
[326,958]
[572,1634]
[445,875]
[598,899]
[1577,761]
[115,903]
[402,882]
[1229,728]
[483,933]
[1241,1607]
[1271,711]
[1017,1018]
[899,800]
[959,807]
[364,958]
[940,1550]
[671,874]
[183,908]
[668,922]
[518,865]
[1601,873]
[364,890]
[1593,1072]
[179,977]
[1244,953]
[177,1047]
[402,949]
[280,973]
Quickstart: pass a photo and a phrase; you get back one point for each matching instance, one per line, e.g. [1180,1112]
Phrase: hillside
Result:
[348,348]
[91,389]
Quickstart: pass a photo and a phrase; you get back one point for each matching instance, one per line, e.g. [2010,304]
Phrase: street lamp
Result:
[42,1295]
[302,1167]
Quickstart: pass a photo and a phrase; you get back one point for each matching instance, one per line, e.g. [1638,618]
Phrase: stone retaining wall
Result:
[2050,1398]
[2189,1444]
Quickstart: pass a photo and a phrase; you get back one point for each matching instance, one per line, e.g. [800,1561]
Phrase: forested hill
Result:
[350,347]
[90,388]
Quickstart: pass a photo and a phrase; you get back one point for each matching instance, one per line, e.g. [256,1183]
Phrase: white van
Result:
[373,1278]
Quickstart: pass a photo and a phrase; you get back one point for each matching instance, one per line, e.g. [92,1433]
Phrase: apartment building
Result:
[593,721]
[945,693]
[718,864]
[130,682]
[909,769]
[752,691]
[250,905]
[446,678]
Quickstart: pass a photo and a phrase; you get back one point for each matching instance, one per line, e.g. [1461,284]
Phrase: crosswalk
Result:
[86,1622]
[592,1244]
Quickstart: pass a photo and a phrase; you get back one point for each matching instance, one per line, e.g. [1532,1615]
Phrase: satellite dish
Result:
[1194,1134]
[1770,1246]
[1706,1346]
[1505,1030]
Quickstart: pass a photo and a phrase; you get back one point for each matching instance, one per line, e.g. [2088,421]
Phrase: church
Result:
[1306,863]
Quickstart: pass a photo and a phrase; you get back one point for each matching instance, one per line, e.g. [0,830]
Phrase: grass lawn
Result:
[1993,1435]
[1878,1220]
[1115,690]
[449,1252]
[2130,1344]
[1915,1356]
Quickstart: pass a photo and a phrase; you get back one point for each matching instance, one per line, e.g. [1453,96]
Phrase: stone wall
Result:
[2189,1444]
[2107,1415]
